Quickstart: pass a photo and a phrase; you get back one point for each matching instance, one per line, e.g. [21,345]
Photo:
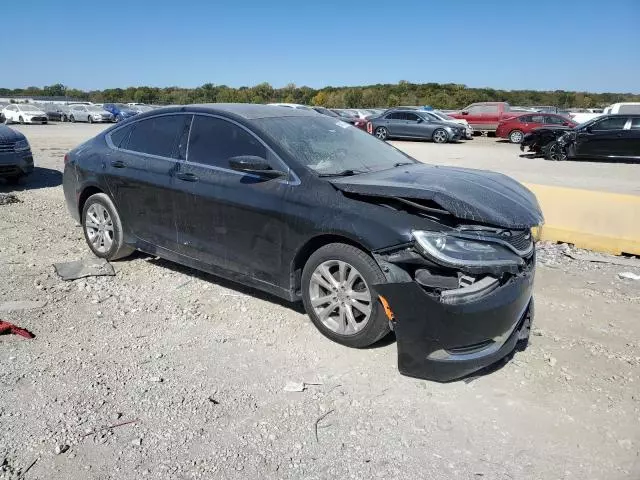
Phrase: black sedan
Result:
[16,159]
[608,137]
[311,209]
[414,124]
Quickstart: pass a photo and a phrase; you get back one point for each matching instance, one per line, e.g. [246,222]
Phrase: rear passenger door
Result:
[140,173]
[230,219]
[396,124]
[634,138]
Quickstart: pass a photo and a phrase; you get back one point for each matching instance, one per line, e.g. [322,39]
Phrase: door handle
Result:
[118,164]
[187,177]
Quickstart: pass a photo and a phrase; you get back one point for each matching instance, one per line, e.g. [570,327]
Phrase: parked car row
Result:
[44,112]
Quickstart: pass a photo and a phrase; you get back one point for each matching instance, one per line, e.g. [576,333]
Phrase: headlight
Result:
[21,146]
[454,251]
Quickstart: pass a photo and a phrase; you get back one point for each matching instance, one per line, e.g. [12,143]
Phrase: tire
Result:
[63,118]
[440,135]
[72,119]
[89,119]
[117,118]
[516,136]
[358,330]
[555,153]
[7,121]
[100,203]
[382,133]
[21,120]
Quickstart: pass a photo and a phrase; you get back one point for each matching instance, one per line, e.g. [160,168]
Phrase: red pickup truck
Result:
[485,116]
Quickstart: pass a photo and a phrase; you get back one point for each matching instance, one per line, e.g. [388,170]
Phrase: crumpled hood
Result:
[477,195]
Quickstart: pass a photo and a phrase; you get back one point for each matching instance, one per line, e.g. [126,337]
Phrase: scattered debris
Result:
[156,379]
[7,198]
[136,441]
[10,328]
[61,449]
[318,420]
[14,305]
[552,361]
[591,257]
[213,400]
[629,276]
[115,425]
[86,267]
[294,387]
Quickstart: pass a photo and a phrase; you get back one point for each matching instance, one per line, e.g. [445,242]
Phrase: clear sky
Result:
[509,44]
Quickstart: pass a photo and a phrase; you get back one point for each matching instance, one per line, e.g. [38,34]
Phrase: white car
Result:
[622,108]
[468,129]
[89,113]
[24,113]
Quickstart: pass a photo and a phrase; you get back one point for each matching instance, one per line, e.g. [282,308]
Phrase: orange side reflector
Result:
[387,308]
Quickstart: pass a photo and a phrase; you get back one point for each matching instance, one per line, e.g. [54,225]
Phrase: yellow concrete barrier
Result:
[601,221]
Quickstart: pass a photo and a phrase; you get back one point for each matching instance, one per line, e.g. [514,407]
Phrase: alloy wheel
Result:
[516,136]
[440,136]
[381,133]
[340,297]
[99,227]
[556,153]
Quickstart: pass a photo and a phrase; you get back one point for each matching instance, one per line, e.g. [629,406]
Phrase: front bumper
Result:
[37,119]
[443,342]
[16,164]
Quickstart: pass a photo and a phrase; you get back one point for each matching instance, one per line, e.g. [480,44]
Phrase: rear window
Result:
[155,136]
[614,123]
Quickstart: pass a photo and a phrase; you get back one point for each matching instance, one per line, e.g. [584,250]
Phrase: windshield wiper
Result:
[343,173]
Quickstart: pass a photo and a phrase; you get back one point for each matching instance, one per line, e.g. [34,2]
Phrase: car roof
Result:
[248,111]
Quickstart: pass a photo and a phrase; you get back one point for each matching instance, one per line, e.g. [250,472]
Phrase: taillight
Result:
[369,128]
[66,158]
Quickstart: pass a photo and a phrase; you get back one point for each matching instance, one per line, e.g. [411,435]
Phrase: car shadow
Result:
[223,282]
[297,307]
[40,178]
[530,155]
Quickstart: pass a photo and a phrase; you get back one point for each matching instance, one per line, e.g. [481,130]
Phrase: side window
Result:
[156,136]
[553,120]
[411,116]
[537,119]
[474,109]
[120,137]
[614,123]
[525,119]
[214,141]
[635,123]
[395,116]
[490,109]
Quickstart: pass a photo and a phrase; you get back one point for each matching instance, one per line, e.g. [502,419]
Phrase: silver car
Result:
[89,113]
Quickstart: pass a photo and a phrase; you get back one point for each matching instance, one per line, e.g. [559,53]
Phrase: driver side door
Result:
[604,138]
[230,219]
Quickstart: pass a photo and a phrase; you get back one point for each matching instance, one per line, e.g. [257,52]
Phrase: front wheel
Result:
[556,153]
[338,295]
[103,229]
[20,120]
[440,136]
[90,120]
[516,136]
[382,133]
[72,119]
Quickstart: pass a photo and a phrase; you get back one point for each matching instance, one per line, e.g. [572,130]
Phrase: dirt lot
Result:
[201,364]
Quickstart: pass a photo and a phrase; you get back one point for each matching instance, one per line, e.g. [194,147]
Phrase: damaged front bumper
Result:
[446,337]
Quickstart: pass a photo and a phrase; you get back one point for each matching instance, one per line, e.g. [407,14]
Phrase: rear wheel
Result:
[72,119]
[516,136]
[338,295]
[382,133]
[90,119]
[103,228]
[440,136]
[20,119]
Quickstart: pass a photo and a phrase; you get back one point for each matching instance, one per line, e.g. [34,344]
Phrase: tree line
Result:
[443,96]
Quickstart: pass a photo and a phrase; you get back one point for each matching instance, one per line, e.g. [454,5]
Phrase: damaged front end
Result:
[540,138]
[562,148]
[460,299]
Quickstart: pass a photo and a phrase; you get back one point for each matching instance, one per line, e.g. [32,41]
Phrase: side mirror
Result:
[254,164]
[420,120]
[465,112]
[588,129]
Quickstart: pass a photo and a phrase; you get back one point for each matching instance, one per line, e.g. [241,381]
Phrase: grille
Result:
[520,240]
[7,147]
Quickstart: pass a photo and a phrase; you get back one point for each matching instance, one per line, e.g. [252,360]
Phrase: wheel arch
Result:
[85,194]
[312,245]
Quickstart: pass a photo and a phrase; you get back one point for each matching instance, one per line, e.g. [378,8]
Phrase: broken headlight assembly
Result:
[459,252]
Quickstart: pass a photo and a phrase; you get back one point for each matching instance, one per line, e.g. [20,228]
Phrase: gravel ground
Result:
[199,366]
